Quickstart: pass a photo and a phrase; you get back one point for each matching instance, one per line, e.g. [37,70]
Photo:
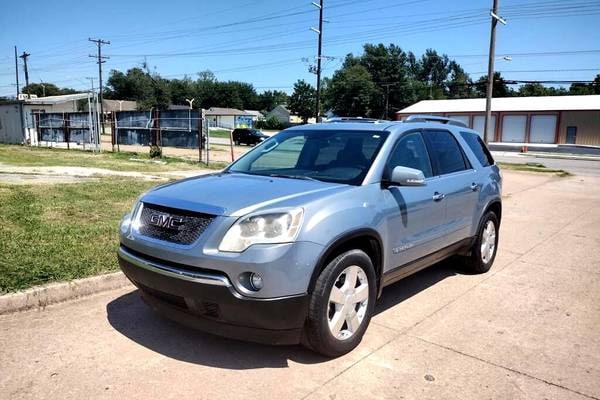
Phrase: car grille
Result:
[173,225]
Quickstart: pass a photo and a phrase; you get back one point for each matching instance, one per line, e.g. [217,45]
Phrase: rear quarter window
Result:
[478,148]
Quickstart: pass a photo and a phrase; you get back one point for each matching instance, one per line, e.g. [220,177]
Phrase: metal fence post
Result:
[67,128]
[200,130]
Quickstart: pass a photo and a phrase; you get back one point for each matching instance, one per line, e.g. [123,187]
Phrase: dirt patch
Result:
[62,174]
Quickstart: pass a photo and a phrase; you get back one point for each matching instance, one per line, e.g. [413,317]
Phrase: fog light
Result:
[256,281]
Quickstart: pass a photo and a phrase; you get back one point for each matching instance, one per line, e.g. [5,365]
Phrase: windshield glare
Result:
[330,156]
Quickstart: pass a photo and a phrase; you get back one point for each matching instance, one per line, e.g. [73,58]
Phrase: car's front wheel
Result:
[341,304]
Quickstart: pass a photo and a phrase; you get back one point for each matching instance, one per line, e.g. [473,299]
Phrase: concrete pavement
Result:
[527,329]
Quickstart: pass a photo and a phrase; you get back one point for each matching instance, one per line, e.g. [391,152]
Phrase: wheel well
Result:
[496,207]
[368,243]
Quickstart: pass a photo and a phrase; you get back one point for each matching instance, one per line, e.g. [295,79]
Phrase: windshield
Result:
[328,155]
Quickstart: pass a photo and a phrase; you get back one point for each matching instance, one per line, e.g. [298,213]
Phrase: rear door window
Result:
[478,148]
[446,154]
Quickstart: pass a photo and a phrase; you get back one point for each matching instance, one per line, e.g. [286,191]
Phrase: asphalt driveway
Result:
[527,329]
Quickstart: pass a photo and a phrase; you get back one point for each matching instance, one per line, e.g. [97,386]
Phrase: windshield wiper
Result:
[304,177]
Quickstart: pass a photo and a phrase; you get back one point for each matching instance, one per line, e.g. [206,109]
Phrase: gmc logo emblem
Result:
[166,221]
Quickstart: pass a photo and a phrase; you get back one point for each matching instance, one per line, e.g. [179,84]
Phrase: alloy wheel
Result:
[348,302]
[488,242]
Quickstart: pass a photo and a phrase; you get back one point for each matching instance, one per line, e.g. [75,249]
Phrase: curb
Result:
[564,156]
[52,293]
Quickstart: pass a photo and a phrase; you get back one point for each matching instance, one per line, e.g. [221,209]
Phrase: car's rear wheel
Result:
[237,142]
[483,252]
[341,304]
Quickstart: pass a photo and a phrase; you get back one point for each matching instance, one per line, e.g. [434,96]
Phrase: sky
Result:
[269,42]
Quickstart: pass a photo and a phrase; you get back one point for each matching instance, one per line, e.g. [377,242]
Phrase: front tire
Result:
[341,305]
[483,252]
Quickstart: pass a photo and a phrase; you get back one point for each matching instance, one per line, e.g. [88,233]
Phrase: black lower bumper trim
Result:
[215,309]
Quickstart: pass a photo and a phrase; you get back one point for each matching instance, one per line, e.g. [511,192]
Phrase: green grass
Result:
[534,167]
[61,232]
[220,133]
[118,161]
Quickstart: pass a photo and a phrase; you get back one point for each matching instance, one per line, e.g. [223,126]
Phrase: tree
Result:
[390,70]
[350,92]
[537,89]
[303,100]
[459,85]
[181,89]
[586,88]
[501,88]
[268,100]
[47,89]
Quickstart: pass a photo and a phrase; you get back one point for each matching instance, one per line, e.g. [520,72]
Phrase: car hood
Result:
[233,194]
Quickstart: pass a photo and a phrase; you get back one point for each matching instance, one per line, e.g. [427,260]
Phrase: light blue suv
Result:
[295,241]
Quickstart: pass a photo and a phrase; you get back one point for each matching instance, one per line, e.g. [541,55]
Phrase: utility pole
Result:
[100,59]
[24,57]
[387,99]
[319,56]
[490,77]
[17,70]
[91,79]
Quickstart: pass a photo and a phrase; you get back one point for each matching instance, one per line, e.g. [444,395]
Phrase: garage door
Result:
[479,126]
[513,128]
[543,129]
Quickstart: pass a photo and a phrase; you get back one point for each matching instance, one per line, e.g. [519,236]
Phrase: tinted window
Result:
[445,152]
[479,148]
[410,151]
[329,155]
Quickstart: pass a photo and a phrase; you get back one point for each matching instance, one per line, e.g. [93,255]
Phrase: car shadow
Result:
[130,316]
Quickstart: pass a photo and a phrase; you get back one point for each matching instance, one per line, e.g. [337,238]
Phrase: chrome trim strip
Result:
[198,277]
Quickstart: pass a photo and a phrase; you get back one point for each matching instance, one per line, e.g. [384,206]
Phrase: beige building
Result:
[546,119]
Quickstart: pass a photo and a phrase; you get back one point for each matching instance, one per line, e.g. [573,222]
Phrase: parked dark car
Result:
[248,136]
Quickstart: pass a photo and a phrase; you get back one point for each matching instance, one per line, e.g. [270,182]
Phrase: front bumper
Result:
[206,300]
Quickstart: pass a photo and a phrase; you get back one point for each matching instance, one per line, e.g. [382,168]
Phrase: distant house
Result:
[175,107]
[229,118]
[119,105]
[110,106]
[256,115]
[285,116]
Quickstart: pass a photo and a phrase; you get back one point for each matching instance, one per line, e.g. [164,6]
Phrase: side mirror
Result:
[405,176]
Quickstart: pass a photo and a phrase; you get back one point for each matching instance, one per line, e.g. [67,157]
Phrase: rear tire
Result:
[483,252]
[237,142]
[341,305]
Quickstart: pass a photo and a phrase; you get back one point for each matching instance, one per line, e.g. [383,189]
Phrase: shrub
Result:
[155,151]
[270,123]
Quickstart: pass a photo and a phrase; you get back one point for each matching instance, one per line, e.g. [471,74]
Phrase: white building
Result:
[545,119]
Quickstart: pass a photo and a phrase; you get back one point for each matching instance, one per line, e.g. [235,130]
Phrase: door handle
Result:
[474,187]
[438,196]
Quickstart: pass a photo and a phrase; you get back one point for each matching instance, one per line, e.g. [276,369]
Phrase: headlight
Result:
[267,228]
[130,218]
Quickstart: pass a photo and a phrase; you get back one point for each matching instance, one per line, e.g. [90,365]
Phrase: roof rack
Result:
[435,118]
[354,119]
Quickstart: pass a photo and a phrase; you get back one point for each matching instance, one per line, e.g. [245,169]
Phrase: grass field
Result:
[534,167]
[118,161]
[219,133]
[61,232]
